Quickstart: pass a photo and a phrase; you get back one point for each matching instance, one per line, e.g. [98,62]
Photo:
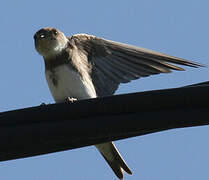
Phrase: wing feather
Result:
[113,63]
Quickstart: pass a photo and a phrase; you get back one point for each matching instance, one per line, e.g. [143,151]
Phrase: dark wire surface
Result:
[56,127]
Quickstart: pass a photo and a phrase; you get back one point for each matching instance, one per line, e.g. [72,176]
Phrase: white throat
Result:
[60,46]
[57,48]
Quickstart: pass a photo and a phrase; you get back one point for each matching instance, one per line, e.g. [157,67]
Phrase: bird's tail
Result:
[113,158]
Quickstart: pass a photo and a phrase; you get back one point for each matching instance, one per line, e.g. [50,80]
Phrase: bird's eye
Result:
[42,35]
[55,32]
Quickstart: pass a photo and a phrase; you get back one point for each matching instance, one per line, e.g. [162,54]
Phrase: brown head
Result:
[50,41]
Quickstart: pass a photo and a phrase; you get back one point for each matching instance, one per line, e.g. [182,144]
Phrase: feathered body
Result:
[85,66]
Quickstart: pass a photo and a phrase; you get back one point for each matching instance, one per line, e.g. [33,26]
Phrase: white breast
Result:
[68,83]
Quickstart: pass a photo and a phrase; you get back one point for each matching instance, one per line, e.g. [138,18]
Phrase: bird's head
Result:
[50,41]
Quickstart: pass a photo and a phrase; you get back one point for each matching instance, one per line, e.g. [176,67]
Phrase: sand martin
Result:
[85,66]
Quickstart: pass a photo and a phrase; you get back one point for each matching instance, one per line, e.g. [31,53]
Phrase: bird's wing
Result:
[113,63]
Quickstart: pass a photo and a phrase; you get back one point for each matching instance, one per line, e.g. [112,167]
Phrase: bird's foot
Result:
[42,104]
[71,99]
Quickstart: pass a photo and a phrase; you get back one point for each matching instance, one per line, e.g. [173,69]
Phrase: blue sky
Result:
[178,28]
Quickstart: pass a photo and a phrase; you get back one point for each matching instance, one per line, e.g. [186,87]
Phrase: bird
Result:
[84,66]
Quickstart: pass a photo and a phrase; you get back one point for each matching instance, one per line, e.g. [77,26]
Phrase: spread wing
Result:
[113,63]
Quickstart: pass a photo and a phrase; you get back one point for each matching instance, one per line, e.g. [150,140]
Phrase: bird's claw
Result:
[71,100]
[42,104]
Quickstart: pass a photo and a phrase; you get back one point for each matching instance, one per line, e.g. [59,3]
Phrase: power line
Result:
[56,127]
